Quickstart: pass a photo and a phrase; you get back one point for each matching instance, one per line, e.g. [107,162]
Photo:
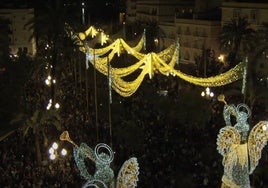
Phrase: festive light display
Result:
[90,31]
[241,151]
[104,175]
[148,64]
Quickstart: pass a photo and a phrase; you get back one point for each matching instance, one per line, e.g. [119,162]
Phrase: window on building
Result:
[179,30]
[236,13]
[195,44]
[188,32]
[186,43]
[204,33]
[187,56]
[254,14]
[196,31]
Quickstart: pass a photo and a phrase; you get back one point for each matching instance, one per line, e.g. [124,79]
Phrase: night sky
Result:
[102,10]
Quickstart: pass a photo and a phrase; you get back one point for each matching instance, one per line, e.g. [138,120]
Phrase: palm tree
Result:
[49,22]
[258,91]
[49,27]
[154,35]
[39,122]
[238,38]
[12,85]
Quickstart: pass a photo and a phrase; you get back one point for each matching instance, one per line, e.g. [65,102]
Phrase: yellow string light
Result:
[162,62]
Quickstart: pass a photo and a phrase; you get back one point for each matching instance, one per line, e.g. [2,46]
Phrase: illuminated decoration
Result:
[244,77]
[91,31]
[228,77]
[144,44]
[110,81]
[94,183]
[104,175]
[148,64]
[103,38]
[241,150]
[115,47]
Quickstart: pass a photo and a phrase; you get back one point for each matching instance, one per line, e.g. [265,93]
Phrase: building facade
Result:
[257,15]
[195,36]
[20,37]
[159,11]
[131,11]
[197,24]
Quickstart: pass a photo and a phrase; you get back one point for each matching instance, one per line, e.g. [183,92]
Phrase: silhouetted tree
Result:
[237,38]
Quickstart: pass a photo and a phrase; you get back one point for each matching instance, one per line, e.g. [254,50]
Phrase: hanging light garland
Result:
[162,62]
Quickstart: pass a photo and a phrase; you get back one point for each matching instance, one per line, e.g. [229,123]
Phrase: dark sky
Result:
[253,1]
[91,3]
[104,10]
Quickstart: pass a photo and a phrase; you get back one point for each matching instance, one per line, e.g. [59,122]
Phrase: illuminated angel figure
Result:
[241,149]
[104,175]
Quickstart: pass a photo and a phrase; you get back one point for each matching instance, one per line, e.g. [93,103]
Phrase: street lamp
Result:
[156,42]
[49,105]
[207,93]
[83,12]
[221,58]
[53,151]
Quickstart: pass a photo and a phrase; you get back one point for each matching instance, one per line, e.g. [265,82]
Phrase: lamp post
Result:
[83,12]
[207,93]
[54,153]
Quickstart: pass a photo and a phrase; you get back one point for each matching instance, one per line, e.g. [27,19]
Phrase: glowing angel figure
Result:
[104,175]
[241,151]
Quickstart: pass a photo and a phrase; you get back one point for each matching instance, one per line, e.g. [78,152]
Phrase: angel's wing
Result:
[128,174]
[256,141]
[80,154]
[227,142]
[227,137]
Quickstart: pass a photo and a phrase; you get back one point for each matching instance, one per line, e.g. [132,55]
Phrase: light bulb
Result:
[52,157]
[57,105]
[51,150]
[63,152]
[55,145]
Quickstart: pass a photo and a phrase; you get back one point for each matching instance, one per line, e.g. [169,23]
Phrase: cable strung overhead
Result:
[147,64]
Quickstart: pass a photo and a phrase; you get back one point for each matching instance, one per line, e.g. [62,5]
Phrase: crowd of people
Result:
[173,149]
